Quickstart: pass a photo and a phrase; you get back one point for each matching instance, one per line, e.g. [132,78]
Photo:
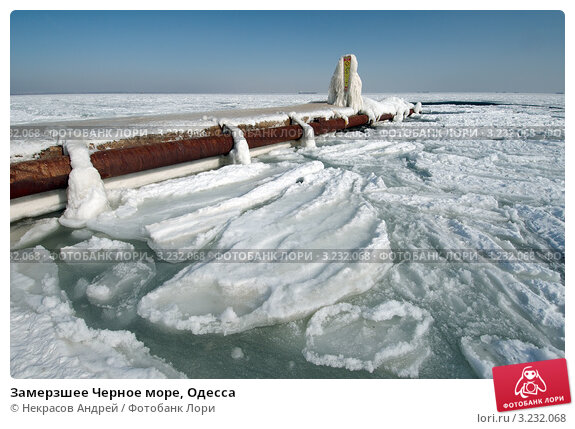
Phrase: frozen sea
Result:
[430,248]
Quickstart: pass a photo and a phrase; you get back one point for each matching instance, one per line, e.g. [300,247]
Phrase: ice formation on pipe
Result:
[339,93]
[341,115]
[86,194]
[308,138]
[240,154]
[395,106]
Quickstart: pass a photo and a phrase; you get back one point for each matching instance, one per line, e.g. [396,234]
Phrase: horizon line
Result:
[277,93]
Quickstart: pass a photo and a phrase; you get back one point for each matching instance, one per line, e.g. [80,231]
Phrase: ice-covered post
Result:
[345,85]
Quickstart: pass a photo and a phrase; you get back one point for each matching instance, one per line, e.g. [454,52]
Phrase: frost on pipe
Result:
[33,177]
[396,107]
[240,154]
[319,209]
[308,139]
[61,345]
[86,194]
[345,85]
[391,335]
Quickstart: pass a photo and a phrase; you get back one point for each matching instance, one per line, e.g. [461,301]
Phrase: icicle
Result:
[86,193]
[337,114]
[345,85]
[240,154]
[308,138]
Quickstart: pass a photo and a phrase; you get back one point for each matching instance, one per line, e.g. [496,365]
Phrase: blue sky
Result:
[285,51]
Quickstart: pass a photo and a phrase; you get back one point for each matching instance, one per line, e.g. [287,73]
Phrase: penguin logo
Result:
[530,383]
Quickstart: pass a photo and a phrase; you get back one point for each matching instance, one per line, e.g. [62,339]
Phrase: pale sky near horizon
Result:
[285,51]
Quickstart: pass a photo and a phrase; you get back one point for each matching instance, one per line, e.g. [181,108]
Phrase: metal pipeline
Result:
[33,177]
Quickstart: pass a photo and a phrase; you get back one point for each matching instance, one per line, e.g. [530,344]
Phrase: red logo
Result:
[529,385]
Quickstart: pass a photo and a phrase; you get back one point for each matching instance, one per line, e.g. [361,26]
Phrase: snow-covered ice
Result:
[310,207]
[487,351]
[48,340]
[369,189]
[198,227]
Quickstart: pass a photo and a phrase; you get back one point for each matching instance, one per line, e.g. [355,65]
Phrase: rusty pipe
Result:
[32,177]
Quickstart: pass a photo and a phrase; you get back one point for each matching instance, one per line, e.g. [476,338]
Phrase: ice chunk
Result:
[237,353]
[487,351]
[30,282]
[40,229]
[121,281]
[92,250]
[199,227]
[82,234]
[361,338]
[94,256]
[339,93]
[374,109]
[153,203]
[79,289]
[118,290]
[123,278]
[47,340]
[86,194]
[322,212]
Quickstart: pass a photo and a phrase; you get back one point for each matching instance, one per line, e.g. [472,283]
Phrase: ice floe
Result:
[487,351]
[315,209]
[348,336]
[48,339]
